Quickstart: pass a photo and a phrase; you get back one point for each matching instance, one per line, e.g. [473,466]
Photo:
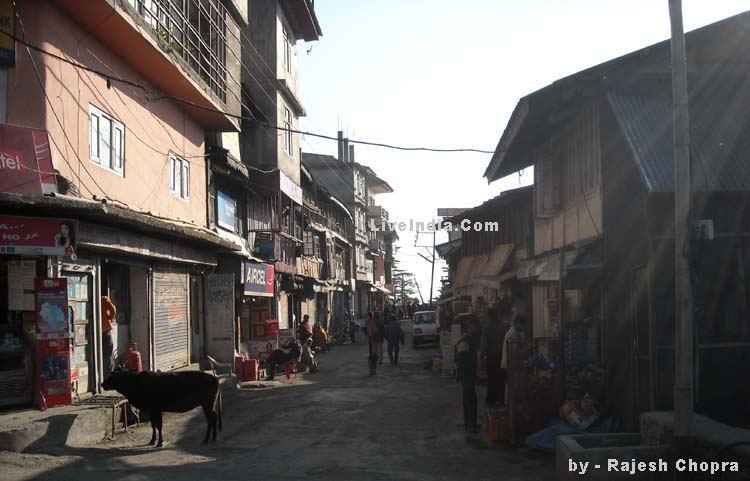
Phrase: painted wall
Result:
[152,129]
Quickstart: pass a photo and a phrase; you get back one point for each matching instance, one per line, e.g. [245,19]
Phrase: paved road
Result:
[341,424]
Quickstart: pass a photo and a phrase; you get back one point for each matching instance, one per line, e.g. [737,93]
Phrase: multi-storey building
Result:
[268,145]
[107,105]
[354,184]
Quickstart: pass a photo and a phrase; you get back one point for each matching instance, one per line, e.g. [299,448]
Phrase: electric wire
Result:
[30,46]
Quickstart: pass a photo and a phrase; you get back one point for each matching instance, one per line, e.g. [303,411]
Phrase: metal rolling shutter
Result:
[170,320]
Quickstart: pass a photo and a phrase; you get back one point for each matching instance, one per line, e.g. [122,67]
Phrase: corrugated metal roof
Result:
[719,126]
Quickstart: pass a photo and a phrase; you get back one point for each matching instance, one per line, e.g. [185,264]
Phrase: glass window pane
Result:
[185,178]
[105,142]
[94,137]
[119,147]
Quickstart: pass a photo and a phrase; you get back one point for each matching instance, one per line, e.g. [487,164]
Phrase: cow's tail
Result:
[218,406]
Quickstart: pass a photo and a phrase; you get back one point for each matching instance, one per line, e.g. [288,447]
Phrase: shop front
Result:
[258,296]
[28,246]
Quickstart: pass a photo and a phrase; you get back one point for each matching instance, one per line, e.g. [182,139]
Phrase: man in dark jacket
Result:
[466,364]
[395,337]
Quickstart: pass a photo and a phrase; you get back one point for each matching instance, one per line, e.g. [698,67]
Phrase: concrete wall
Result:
[152,130]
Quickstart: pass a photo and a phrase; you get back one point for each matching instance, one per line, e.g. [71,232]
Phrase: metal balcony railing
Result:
[197,31]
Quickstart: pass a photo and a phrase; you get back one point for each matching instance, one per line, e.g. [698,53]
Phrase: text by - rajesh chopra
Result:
[657,466]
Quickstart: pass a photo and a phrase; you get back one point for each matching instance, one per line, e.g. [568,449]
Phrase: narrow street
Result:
[404,423]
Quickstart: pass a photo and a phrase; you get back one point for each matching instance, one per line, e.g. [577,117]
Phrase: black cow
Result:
[177,392]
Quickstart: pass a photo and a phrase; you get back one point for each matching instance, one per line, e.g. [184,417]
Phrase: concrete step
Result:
[71,426]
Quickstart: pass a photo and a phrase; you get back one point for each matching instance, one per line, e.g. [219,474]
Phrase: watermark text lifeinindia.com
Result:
[466,225]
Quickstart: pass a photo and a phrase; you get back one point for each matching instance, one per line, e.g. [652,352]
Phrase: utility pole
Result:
[432,274]
[684,329]
[419,291]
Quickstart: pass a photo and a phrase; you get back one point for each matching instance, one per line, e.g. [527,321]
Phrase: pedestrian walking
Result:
[395,337]
[466,363]
[490,350]
[380,324]
[371,329]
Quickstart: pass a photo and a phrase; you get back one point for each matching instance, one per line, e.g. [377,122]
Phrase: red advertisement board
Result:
[53,344]
[25,161]
[37,236]
[53,372]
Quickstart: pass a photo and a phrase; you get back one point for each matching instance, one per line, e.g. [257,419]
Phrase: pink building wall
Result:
[152,128]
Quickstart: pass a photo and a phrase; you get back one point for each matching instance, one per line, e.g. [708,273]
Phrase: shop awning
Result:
[476,282]
[382,290]
[497,260]
[547,268]
[443,301]
[462,273]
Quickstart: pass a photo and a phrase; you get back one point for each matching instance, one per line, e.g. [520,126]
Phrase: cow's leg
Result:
[153,431]
[157,420]
[210,421]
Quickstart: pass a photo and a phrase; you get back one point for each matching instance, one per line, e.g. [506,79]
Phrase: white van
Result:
[425,328]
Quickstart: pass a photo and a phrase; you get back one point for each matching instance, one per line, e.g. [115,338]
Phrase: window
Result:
[287,51]
[288,131]
[106,140]
[179,177]
[425,318]
[312,244]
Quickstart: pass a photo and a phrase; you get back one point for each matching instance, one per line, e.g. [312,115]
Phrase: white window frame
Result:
[287,50]
[288,143]
[179,176]
[106,150]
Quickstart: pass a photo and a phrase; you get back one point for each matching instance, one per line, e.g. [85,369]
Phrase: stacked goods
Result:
[498,424]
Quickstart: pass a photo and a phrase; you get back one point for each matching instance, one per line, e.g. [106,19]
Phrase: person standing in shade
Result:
[304,332]
[109,316]
[516,331]
[395,337]
[490,349]
[466,367]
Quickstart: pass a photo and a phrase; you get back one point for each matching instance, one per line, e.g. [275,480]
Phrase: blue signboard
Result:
[226,211]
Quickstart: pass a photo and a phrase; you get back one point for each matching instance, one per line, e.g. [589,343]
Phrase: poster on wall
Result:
[21,276]
[38,236]
[220,317]
[52,308]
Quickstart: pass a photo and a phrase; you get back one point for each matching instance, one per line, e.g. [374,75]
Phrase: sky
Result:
[447,74]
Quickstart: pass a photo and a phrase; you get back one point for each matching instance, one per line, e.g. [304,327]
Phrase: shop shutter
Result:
[170,320]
